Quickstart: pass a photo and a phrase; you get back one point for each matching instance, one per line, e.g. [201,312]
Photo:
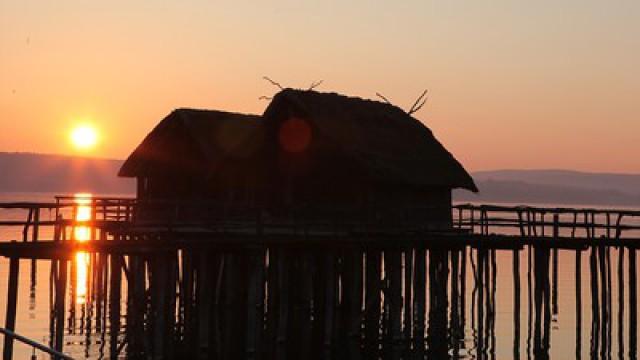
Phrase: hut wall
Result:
[430,207]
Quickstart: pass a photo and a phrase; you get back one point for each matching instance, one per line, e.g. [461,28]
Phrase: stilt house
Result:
[323,152]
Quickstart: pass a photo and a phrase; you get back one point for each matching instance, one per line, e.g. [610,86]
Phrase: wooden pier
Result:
[265,287]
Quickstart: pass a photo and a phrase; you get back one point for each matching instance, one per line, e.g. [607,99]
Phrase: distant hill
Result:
[26,172]
[555,187]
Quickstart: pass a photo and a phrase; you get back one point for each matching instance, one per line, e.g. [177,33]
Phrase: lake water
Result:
[487,306]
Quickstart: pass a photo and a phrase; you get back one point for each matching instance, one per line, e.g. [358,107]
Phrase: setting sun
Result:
[84,137]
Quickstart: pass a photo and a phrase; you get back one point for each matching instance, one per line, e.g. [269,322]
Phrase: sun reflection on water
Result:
[82,233]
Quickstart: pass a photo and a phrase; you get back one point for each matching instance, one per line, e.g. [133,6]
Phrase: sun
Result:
[84,137]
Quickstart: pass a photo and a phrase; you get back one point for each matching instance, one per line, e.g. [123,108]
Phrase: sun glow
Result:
[84,137]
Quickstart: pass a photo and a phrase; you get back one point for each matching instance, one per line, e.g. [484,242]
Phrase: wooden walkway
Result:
[115,229]
[258,287]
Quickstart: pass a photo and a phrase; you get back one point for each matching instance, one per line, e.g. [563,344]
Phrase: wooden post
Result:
[272,300]
[516,303]
[25,230]
[621,301]
[354,294]
[135,313]
[578,281]
[186,299]
[12,301]
[61,288]
[419,297]
[255,314]
[633,304]
[114,303]
[330,303]
[456,332]
[393,271]
[408,288]
[203,296]
[304,318]
[520,223]
[159,290]
[372,304]
[36,225]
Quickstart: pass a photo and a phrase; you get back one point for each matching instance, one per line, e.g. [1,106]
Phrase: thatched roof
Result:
[392,145]
[190,140]
[388,144]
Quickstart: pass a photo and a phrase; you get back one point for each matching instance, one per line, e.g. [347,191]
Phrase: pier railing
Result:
[104,214]
[527,221]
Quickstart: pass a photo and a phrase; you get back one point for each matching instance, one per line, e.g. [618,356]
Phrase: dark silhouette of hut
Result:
[323,152]
[179,157]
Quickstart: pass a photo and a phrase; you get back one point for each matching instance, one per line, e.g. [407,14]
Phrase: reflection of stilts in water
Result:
[32,287]
[474,292]
[438,303]
[529,300]
[633,306]
[71,320]
[621,302]
[59,269]
[605,288]
[516,303]
[484,303]
[554,291]
[114,303]
[463,297]
[457,305]
[542,303]
[420,279]
[492,305]
[455,332]
[479,300]
[578,282]
[609,301]
[595,304]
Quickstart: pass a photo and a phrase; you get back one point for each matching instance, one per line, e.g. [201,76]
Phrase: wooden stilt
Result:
[61,288]
[114,304]
[203,294]
[419,297]
[354,288]
[633,305]
[393,272]
[255,301]
[372,304]
[330,304]
[12,302]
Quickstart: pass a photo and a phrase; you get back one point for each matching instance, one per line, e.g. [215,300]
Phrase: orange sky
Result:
[512,85]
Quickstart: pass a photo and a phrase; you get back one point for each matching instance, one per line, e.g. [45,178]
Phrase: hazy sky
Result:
[512,84]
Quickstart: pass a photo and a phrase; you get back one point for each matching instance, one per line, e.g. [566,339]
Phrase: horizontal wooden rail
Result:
[37,345]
